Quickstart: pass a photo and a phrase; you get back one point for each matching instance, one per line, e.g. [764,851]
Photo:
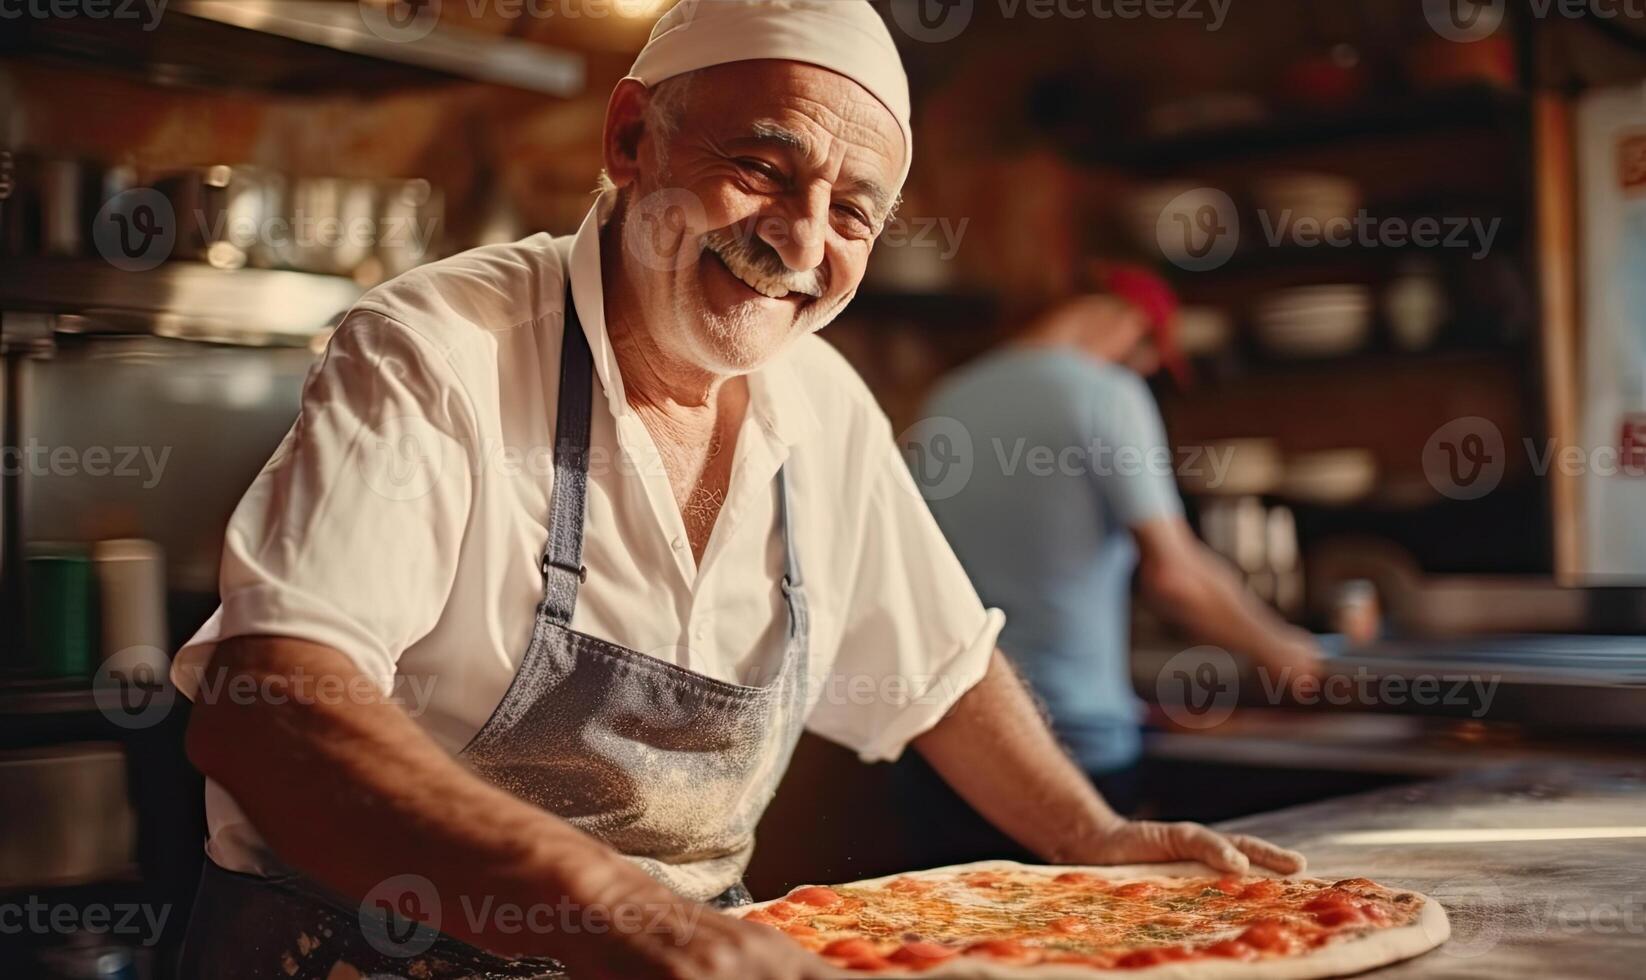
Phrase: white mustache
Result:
[760,267]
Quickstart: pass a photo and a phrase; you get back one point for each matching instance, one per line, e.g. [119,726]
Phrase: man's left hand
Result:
[1146,842]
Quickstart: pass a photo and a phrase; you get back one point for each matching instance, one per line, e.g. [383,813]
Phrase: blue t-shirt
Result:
[1067,454]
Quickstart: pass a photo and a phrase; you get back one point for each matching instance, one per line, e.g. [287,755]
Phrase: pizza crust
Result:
[1338,959]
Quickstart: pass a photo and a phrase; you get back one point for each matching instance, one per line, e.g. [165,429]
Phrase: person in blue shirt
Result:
[1071,491]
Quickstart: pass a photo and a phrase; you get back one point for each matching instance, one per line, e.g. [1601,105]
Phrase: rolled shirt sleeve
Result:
[349,536]
[916,636]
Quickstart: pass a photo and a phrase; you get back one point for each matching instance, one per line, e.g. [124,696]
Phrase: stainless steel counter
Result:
[1541,868]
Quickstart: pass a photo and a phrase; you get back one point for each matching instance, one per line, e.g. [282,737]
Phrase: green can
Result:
[60,611]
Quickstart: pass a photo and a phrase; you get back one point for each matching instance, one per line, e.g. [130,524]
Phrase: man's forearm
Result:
[995,750]
[1210,604]
[354,793]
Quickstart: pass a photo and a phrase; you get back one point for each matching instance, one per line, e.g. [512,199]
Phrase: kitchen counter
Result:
[1542,868]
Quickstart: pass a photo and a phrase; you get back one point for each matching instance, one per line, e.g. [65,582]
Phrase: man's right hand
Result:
[695,942]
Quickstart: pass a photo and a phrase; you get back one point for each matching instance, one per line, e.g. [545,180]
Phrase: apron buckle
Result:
[581,571]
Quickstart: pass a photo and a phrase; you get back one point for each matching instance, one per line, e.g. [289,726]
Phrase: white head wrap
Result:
[844,36]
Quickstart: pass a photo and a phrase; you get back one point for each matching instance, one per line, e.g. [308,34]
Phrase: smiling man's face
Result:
[749,222]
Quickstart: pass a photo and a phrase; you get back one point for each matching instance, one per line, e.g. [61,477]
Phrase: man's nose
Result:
[798,231]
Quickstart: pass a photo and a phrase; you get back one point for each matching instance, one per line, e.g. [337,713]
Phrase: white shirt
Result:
[402,519]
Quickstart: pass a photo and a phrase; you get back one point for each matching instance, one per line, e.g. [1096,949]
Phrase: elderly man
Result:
[592,726]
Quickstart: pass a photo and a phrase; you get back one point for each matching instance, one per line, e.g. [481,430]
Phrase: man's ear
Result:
[625,125]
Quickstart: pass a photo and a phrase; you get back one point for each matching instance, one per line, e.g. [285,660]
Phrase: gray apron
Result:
[670,768]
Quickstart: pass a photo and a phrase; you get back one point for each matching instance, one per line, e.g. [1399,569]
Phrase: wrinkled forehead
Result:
[818,115]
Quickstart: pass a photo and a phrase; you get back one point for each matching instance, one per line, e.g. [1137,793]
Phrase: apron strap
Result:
[791,561]
[563,569]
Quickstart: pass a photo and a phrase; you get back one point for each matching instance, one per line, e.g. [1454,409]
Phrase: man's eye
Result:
[856,220]
[760,167]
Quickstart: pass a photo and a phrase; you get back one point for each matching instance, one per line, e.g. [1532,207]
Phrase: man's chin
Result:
[743,340]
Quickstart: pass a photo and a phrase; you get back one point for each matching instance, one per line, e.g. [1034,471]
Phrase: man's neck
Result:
[654,381]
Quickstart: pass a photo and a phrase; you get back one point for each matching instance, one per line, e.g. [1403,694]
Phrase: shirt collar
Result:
[777,401]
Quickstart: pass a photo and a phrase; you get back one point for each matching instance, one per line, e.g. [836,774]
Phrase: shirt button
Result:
[678,544]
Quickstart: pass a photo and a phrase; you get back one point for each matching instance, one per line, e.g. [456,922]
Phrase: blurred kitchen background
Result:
[1378,397]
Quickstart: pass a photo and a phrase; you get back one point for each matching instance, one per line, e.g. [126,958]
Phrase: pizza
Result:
[1164,921]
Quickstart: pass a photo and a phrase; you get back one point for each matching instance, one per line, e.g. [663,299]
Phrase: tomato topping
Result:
[815,895]
[800,930]
[1152,957]
[1262,890]
[783,910]
[849,949]
[1000,949]
[908,885]
[1355,883]
[1069,924]
[1270,936]
[1231,949]
[867,964]
[1228,885]
[1137,889]
[762,917]
[1076,878]
[1333,918]
[1330,900]
[920,954]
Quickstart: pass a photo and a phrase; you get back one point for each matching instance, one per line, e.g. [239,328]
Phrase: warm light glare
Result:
[1483,835]
[641,9]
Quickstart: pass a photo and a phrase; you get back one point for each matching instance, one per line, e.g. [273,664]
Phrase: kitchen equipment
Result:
[62,612]
[1288,198]
[1204,331]
[1233,467]
[224,213]
[1281,559]
[131,587]
[1171,205]
[1329,478]
[1356,613]
[1415,307]
[331,225]
[1314,321]
[65,816]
